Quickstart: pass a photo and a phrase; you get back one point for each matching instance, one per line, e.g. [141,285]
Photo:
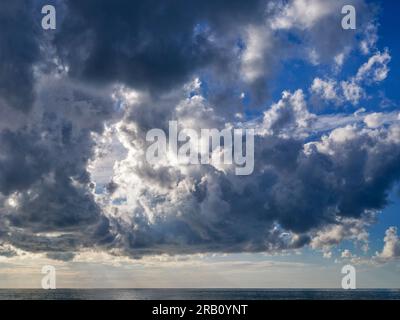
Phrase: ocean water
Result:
[198,294]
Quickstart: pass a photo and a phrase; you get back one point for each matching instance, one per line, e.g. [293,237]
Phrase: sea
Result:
[199,294]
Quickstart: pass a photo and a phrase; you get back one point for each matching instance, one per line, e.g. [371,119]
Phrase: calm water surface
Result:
[197,294]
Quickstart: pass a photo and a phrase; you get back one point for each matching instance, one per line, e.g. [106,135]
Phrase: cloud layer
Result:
[76,104]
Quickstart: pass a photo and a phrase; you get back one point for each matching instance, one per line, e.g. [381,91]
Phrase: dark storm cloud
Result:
[22,162]
[152,45]
[61,256]
[46,142]
[43,167]
[19,51]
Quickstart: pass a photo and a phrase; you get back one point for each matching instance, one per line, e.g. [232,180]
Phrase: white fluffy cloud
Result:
[370,39]
[375,69]
[289,114]
[325,88]
[344,229]
[391,249]
[352,91]
[374,120]
[255,62]
[303,14]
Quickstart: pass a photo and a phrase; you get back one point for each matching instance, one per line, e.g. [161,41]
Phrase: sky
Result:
[76,103]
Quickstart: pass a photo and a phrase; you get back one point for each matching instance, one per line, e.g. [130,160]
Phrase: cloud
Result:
[391,249]
[343,229]
[19,52]
[237,47]
[73,173]
[7,251]
[302,14]
[317,26]
[374,120]
[332,184]
[376,69]
[327,254]
[254,59]
[330,90]
[290,113]
[352,91]
[370,38]
[43,169]
[346,254]
[326,89]
[373,71]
